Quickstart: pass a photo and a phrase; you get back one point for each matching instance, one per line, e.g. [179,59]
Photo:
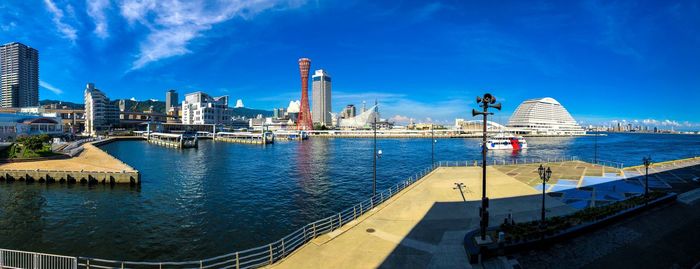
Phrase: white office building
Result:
[100,113]
[321,98]
[544,116]
[201,108]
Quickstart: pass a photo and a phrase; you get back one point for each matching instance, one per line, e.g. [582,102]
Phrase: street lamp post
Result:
[545,175]
[484,102]
[377,154]
[595,156]
[432,143]
[647,163]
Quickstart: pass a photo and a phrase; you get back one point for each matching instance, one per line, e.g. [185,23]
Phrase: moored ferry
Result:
[506,141]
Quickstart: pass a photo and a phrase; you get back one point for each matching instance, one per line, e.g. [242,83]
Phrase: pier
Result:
[245,137]
[183,140]
[92,165]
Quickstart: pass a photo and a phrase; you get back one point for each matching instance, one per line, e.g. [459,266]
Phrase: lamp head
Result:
[549,173]
[540,170]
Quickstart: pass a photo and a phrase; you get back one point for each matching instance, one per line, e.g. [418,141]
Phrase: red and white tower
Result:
[304,119]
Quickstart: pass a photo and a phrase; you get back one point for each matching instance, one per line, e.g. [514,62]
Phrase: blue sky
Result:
[603,60]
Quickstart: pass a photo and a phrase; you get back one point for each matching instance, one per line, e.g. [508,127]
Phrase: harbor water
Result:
[222,197]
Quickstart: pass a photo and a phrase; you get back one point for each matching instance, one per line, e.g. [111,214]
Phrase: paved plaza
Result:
[90,159]
[424,226]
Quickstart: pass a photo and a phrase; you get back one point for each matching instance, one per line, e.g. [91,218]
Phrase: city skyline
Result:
[605,62]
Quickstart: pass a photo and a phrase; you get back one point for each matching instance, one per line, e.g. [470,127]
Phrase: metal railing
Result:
[617,165]
[275,251]
[24,259]
[507,161]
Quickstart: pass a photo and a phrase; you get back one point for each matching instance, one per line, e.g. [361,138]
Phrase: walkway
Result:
[90,159]
[424,226]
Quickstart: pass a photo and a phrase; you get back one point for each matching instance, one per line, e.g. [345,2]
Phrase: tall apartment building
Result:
[171,100]
[100,113]
[19,68]
[201,108]
[321,98]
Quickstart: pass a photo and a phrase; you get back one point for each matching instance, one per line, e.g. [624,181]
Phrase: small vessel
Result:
[292,135]
[506,141]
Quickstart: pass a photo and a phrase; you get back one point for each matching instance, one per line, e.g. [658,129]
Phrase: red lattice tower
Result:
[304,119]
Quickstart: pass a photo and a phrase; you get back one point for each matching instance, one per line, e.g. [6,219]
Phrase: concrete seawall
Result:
[92,165]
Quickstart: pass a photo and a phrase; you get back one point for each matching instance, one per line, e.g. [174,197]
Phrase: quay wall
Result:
[92,165]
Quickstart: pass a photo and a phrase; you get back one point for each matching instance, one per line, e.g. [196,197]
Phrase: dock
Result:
[92,165]
[245,137]
[182,140]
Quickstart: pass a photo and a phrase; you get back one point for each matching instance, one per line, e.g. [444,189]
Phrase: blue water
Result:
[222,197]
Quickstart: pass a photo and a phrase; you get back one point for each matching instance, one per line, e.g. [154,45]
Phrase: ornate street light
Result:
[484,102]
[545,175]
[647,163]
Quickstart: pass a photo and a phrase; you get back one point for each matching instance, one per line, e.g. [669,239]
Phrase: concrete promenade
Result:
[424,226]
[91,164]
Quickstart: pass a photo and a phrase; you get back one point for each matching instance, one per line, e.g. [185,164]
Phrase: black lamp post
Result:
[595,156]
[432,143]
[647,163]
[545,175]
[484,102]
[377,154]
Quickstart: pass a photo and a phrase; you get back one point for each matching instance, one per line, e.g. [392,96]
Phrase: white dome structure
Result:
[544,116]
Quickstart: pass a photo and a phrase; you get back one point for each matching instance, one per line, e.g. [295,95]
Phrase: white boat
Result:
[506,141]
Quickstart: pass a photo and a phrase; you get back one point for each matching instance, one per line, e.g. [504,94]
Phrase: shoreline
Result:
[92,165]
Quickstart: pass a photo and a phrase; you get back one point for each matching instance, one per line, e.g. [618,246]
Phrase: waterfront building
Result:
[348,112]
[543,116]
[201,108]
[13,125]
[19,69]
[171,100]
[100,113]
[321,98]
[362,121]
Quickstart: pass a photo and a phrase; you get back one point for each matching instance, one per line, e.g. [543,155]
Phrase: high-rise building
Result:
[171,100]
[304,117]
[201,108]
[348,112]
[321,98]
[100,113]
[19,68]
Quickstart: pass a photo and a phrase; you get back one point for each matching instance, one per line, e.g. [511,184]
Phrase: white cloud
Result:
[96,10]
[68,31]
[173,24]
[400,119]
[50,87]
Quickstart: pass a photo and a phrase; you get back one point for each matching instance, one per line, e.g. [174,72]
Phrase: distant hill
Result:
[61,104]
[250,112]
[140,106]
